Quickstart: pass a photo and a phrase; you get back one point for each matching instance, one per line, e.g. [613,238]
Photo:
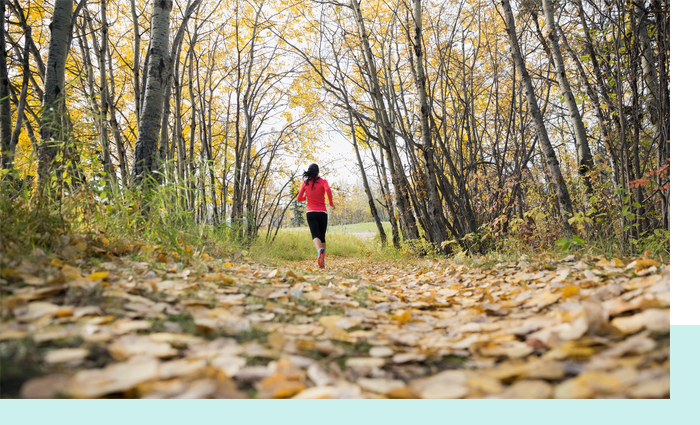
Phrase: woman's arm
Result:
[329,193]
[300,196]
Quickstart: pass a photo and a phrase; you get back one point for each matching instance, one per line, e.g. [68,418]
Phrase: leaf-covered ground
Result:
[575,327]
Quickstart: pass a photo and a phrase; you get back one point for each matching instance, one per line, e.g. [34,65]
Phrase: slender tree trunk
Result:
[175,53]
[104,90]
[603,88]
[146,150]
[136,62]
[402,187]
[435,211]
[248,136]
[179,138]
[584,151]
[114,125]
[21,104]
[53,124]
[654,96]
[595,100]
[193,126]
[662,13]
[563,197]
[6,151]
[365,182]
[622,127]
[648,72]
[386,194]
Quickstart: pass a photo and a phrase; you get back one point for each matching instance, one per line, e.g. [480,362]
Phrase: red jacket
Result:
[315,195]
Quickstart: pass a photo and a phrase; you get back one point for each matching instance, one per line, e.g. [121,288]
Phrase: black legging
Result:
[318,222]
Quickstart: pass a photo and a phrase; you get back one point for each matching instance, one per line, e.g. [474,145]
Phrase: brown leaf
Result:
[652,319]
[181,367]
[278,386]
[527,388]
[115,378]
[380,386]
[447,384]
[132,345]
[48,386]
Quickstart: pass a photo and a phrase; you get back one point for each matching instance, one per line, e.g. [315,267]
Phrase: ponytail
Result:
[311,175]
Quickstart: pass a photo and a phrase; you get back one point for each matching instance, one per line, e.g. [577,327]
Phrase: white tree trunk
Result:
[146,150]
[584,151]
[5,112]
[563,198]
[402,189]
[435,211]
[52,123]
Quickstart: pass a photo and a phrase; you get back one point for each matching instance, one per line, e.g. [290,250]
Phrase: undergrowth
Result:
[127,222]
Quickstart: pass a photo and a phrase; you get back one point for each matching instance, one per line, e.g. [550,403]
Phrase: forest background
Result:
[475,127]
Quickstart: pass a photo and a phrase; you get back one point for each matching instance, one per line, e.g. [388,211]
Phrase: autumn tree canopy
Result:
[470,119]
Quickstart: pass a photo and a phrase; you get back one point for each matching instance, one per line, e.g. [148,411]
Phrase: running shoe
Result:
[322,259]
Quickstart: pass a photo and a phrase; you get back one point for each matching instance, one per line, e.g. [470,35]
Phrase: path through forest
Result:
[537,328]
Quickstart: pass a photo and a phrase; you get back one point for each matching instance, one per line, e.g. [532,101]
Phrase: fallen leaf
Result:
[446,384]
[180,367]
[278,386]
[652,319]
[115,378]
[380,386]
[527,388]
[132,345]
[381,352]
[48,386]
[66,355]
[98,275]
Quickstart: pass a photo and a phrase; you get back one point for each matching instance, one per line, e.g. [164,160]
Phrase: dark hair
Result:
[311,175]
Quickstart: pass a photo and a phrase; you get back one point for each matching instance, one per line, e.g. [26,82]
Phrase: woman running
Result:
[313,191]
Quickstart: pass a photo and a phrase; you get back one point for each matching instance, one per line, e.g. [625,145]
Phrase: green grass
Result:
[369,227]
[296,245]
[360,228]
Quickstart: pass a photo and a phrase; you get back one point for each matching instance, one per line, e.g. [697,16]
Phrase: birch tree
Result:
[550,158]
[146,150]
[6,152]
[53,123]
[584,151]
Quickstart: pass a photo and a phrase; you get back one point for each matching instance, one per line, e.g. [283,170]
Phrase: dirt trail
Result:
[572,328]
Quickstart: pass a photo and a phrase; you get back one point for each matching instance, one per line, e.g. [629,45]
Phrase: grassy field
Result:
[294,244]
[369,227]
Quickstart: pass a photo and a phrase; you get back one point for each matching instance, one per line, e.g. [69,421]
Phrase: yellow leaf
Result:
[98,275]
[403,318]
[570,291]
[574,350]
[224,279]
[644,263]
